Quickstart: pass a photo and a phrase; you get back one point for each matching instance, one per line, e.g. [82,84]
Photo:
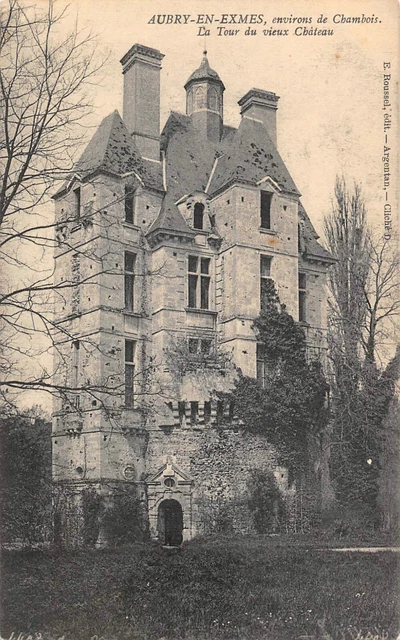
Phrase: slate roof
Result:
[252,156]
[204,72]
[193,163]
[313,249]
[113,150]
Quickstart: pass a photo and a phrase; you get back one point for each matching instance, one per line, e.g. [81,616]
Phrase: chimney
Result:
[141,67]
[261,105]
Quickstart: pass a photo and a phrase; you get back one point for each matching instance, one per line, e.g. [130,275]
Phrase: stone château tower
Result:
[165,242]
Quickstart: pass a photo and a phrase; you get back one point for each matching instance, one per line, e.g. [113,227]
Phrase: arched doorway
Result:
[170,523]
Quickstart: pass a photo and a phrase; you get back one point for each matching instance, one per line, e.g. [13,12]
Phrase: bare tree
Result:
[364,302]
[45,95]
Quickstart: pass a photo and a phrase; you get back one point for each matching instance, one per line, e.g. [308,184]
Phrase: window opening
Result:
[198,282]
[260,357]
[220,410]
[198,215]
[129,280]
[265,280]
[265,209]
[130,347]
[212,99]
[129,204]
[207,412]
[182,413]
[302,297]
[77,197]
[194,412]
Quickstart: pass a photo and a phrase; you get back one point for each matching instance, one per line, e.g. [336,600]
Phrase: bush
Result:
[125,520]
[265,502]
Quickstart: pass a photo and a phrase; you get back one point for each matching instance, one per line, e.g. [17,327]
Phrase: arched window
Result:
[198,215]
[200,98]
[212,99]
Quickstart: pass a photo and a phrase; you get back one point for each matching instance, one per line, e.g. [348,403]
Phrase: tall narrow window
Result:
[302,297]
[207,412]
[129,372]
[130,260]
[265,280]
[182,413]
[265,209]
[194,413]
[198,282]
[198,215]
[75,363]
[77,202]
[260,356]
[129,204]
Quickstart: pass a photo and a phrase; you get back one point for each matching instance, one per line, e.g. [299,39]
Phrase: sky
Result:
[330,114]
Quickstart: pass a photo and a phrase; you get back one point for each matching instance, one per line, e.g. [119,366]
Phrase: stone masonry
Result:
[164,240]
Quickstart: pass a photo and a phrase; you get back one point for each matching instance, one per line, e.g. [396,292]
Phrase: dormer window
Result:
[265,209]
[198,215]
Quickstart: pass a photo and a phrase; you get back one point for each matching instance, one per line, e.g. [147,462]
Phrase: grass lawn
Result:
[271,588]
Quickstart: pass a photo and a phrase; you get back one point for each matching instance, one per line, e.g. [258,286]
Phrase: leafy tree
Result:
[291,406]
[25,487]
[364,300]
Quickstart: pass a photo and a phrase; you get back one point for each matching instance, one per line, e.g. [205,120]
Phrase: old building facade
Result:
[165,242]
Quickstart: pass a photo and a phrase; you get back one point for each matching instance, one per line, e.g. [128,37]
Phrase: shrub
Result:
[125,520]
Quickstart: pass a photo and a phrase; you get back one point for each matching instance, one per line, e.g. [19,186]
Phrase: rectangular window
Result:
[129,204]
[130,347]
[129,284]
[220,411]
[77,202]
[198,282]
[75,363]
[200,347]
[182,413]
[260,357]
[207,412]
[302,297]
[265,209]
[194,412]
[265,280]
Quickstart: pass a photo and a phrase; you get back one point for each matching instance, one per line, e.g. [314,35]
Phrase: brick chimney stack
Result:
[261,105]
[141,67]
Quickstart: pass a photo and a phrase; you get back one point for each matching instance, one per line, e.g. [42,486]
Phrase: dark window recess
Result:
[182,412]
[302,297]
[198,215]
[265,209]
[129,280]
[207,412]
[194,412]
[231,411]
[205,347]
[129,373]
[129,204]
[75,362]
[198,272]
[200,347]
[265,280]
[220,410]
[77,198]
[261,364]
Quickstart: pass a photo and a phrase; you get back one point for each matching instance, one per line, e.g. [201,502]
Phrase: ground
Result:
[252,588]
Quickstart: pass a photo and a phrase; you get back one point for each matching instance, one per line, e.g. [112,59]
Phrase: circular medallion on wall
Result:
[129,472]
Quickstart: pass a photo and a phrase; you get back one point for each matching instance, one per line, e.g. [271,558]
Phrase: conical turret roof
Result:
[204,72]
